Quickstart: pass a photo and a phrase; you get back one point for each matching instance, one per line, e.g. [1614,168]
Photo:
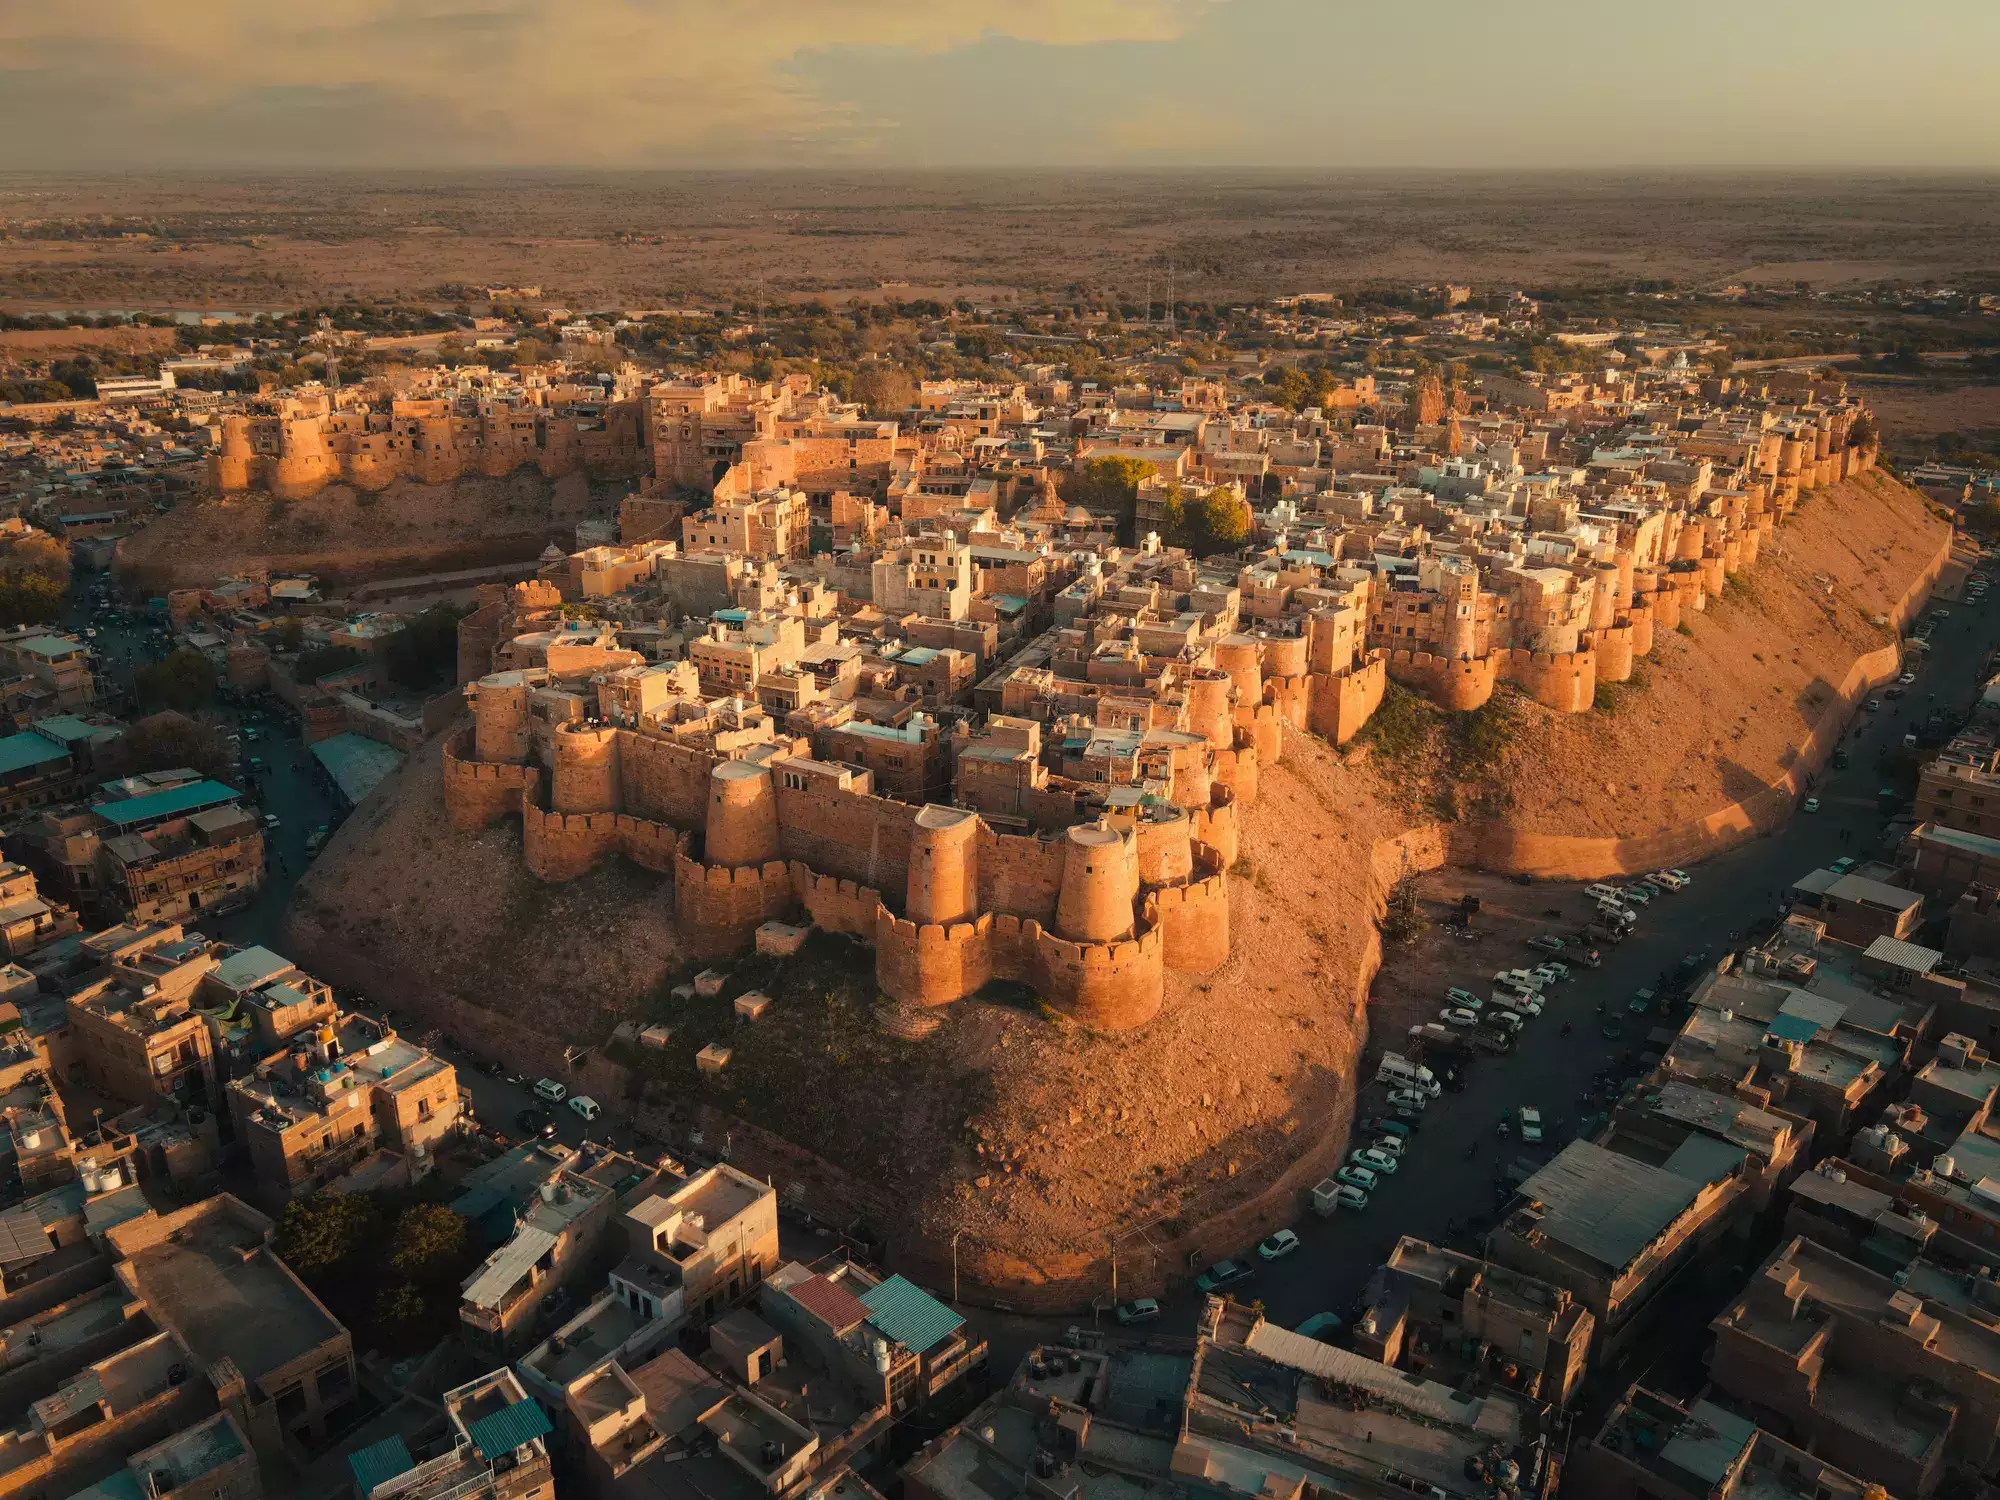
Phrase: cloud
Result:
[586,82]
[750,83]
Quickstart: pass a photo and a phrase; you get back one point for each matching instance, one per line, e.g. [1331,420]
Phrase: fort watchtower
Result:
[1095,905]
[943,883]
[586,776]
[742,815]
[500,716]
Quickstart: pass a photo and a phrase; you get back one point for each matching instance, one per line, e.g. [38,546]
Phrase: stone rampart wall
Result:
[1264,729]
[933,964]
[1565,681]
[663,780]
[1458,685]
[718,911]
[836,905]
[1193,921]
[478,794]
[1340,705]
[563,846]
[1219,827]
[863,839]
[1237,770]
[1020,875]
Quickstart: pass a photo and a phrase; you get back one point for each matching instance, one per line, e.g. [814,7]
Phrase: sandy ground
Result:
[43,343]
[1720,711]
[620,239]
[1922,408]
[456,910]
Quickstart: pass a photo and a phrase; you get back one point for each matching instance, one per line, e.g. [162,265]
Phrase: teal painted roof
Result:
[192,797]
[1794,1028]
[20,751]
[508,1429]
[379,1463]
[909,1315]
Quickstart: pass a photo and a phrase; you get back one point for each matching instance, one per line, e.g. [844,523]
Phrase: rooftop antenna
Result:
[1148,320]
[1170,299]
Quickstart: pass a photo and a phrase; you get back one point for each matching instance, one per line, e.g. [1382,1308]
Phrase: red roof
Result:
[830,1302]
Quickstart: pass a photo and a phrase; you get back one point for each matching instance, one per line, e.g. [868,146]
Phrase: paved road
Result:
[1438,1186]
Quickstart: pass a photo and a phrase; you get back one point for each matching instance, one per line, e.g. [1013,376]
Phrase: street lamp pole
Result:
[954,1263]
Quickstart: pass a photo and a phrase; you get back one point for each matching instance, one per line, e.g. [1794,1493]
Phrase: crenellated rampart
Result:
[719,910]
[478,794]
[1193,921]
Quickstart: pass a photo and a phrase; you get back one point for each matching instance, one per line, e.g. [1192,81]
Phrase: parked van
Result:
[548,1089]
[1398,1071]
[1601,892]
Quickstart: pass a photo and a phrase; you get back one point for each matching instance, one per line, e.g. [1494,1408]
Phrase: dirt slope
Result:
[1715,714]
[1027,1131]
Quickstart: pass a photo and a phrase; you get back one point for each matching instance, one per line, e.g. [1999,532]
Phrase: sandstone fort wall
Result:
[858,838]
[478,794]
[663,780]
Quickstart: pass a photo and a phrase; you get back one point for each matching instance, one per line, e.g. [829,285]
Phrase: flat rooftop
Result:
[586,1340]
[228,1298]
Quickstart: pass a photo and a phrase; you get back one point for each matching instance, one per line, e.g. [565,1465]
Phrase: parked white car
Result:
[1458,1015]
[1378,1162]
[1410,1099]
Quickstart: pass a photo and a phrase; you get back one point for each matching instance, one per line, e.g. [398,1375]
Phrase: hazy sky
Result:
[1300,83]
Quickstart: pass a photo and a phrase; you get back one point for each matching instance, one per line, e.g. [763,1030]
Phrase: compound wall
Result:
[863,839]
[1339,706]
[719,911]
[665,781]
[478,795]
[1193,921]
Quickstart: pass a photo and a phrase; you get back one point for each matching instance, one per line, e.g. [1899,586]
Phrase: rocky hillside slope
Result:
[349,535]
[1718,712]
[1009,1121]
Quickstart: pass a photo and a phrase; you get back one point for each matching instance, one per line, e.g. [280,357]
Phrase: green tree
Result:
[166,740]
[425,650]
[184,681]
[399,1306]
[1225,520]
[1862,433]
[291,631]
[885,389]
[324,662]
[429,1243]
[30,599]
[1108,485]
[323,1232]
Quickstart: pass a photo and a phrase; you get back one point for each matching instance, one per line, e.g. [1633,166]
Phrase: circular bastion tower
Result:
[1208,695]
[235,458]
[586,776]
[1095,904]
[742,815]
[943,885]
[500,718]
